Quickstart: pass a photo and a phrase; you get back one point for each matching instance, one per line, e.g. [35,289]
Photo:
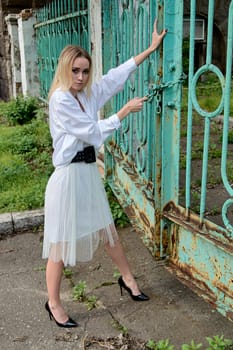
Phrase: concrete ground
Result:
[174,312]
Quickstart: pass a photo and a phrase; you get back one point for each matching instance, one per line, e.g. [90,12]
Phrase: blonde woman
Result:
[77,214]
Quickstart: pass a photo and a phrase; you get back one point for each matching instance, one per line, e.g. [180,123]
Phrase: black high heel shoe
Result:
[68,324]
[139,297]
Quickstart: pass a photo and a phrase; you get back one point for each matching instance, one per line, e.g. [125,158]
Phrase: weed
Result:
[160,345]
[191,346]
[116,324]
[219,343]
[215,343]
[40,268]
[79,294]
[91,302]
[79,291]
[116,274]
[68,273]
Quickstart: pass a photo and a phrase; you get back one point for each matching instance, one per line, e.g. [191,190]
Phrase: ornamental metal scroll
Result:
[135,138]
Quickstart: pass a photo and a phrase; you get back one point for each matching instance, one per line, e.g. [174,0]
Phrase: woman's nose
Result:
[80,76]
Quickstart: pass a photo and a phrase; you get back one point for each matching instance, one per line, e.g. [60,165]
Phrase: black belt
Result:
[87,155]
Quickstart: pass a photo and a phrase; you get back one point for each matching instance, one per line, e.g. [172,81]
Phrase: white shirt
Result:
[71,128]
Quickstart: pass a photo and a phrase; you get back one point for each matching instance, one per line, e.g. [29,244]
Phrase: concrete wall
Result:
[28,55]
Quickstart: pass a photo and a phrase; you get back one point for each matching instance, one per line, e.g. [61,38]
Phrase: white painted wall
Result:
[12,27]
[96,38]
[28,56]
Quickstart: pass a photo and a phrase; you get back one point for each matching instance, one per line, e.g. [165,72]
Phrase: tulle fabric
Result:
[77,214]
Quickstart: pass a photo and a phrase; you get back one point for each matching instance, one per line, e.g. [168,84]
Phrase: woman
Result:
[77,214]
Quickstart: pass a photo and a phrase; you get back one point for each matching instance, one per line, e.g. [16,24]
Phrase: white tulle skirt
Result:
[77,214]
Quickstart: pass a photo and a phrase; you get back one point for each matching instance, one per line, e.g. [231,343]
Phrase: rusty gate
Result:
[170,165]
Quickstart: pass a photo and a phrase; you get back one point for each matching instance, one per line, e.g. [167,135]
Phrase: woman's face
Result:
[80,74]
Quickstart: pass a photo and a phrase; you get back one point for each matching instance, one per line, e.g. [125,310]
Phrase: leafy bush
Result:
[25,165]
[119,216]
[21,110]
[31,139]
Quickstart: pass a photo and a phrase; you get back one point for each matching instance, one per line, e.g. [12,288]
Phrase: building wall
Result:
[9,7]
[220,29]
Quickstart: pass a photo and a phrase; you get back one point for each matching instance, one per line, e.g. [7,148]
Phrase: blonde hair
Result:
[63,74]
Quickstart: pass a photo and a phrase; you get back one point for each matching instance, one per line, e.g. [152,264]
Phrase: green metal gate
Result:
[143,158]
[59,23]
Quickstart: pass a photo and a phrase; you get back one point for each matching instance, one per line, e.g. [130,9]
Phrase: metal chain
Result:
[156,90]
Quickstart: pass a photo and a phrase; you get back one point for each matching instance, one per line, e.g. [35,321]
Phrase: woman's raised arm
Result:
[155,42]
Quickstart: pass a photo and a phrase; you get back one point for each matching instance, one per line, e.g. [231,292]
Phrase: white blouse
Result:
[71,128]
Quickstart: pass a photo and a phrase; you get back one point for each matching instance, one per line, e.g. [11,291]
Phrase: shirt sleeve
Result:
[66,118]
[113,82]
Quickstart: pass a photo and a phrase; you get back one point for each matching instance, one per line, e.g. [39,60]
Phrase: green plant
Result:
[116,274]
[219,343]
[25,165]
[21,110]
[215,343]
[160,345]
[40,268]
[91,302]
[119,216]
[116,324]
[230,137]
[79,294]
[68,273]
[79,291]
[191,346]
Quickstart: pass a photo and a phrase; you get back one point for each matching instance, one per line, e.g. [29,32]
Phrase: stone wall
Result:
[9,7]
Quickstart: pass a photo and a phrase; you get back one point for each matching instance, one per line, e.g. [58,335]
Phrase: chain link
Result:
[156,91]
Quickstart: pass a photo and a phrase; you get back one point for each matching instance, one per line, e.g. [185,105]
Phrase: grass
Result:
[25,165]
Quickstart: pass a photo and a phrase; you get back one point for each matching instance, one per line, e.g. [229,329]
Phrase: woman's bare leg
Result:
[119,258]
[53,278]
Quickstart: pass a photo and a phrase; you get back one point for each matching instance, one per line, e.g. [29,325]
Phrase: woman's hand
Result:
[132,106]
[156,38]
[155,42]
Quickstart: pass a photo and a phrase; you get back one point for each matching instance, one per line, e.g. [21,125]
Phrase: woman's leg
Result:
[119,258]
[53,278]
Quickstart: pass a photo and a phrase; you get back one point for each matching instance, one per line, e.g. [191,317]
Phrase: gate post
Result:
[171,107]
[28,54]
[12,26]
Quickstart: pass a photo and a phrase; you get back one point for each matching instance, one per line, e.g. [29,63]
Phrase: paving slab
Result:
[174,311]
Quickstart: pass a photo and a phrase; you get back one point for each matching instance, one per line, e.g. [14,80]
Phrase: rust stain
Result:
[223,288]
[200,287]
[144,219]
[191,221]
[229,315]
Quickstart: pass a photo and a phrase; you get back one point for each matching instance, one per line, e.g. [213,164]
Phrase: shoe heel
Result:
[121,290]
[49,311]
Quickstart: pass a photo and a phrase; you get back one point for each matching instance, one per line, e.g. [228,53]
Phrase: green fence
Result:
[59,23]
